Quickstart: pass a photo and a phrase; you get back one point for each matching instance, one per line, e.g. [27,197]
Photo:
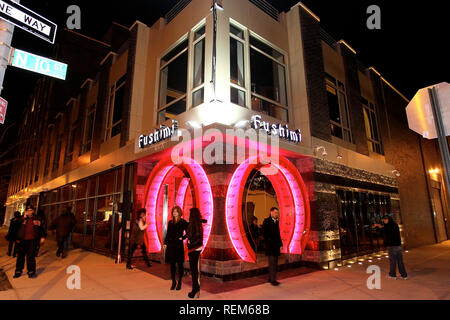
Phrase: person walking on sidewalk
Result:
[30,232]
[137,238]
[393,242]
[64,225]
[174,247]
[14,225]
[43,219]
[195,247]
[274,245]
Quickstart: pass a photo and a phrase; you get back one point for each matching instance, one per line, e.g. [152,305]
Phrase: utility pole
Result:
[6,34]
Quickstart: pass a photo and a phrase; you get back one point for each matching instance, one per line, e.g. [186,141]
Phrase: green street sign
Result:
[38,64]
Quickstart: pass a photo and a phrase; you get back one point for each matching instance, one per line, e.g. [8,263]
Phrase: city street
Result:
[102,279]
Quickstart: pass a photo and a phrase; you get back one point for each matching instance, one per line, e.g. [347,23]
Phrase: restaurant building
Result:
[344,154]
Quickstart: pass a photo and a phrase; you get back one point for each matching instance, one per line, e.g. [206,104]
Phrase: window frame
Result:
[88,140]
[116,86]
[369,107]
[162,66]
[248,34]
[337,85]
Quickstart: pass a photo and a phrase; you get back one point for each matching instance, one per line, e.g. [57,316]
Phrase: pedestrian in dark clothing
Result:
[274,245]
[195,246]
[43,219]
[393,242]
[30,232]
[14,225]
[63,225]
[254,233]
[174,247]
[137,238]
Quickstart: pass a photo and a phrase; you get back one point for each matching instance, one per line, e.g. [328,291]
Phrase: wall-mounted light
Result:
[434,171]
[321,150]
[396,172]
[339,157]
[74,186]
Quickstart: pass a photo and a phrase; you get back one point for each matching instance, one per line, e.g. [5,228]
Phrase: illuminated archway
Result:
[203,197]
[294,207]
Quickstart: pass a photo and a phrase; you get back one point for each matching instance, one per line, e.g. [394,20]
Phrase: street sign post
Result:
[28,20]
[35,63]
[3,107]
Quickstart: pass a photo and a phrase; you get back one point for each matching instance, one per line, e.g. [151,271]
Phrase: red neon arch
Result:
[294,207]
[203,195]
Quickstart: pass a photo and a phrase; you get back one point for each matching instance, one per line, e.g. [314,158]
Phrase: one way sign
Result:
[28,20]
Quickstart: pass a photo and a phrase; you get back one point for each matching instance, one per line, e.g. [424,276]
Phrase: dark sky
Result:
[409,51]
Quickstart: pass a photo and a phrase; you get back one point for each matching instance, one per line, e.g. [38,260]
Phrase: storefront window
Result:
[81,189]
[358,212]
[107,183]
[93,210]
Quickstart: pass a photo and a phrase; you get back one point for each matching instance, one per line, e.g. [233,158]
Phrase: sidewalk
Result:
[101,279]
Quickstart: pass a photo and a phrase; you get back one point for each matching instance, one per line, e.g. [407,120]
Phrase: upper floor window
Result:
[88,129]
[57,152]
[337,103]
[173,83]
[49,151]
[371,124]
[116,104]
[264,81]
[70,144]
[198,85]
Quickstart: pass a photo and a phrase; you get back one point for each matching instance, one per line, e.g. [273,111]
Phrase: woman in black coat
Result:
[174,247]
[195,247]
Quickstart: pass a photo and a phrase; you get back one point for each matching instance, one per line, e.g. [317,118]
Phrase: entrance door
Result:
[441,232]
[260,197]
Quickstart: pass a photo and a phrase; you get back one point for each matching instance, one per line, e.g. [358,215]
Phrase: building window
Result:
[268,78]
[337,103]
[38,164]
[116,104]
[49,152]
[266,74]
[173,83]
[371,123]
[88,129]
[57,153]
[70,145]
[198,86]
[237,66]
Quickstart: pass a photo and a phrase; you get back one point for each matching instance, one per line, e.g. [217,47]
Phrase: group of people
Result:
[27,234]
[178,230]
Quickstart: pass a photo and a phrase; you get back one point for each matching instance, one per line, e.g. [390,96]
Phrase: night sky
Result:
[409,51]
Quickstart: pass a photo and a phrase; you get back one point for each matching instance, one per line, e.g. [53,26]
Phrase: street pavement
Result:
[102,279]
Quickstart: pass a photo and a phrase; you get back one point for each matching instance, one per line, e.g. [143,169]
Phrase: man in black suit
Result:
[274,245]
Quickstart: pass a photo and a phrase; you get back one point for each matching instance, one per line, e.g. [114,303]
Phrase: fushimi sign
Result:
[158,135]
[279,130]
